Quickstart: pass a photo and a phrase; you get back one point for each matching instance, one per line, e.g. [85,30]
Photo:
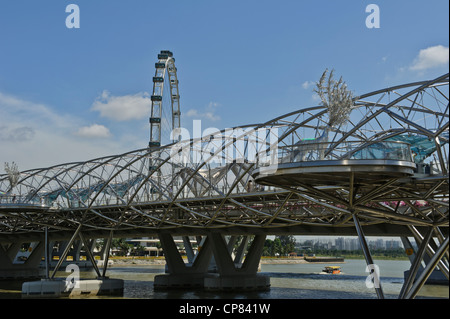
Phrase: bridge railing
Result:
[307,151]
[20,200]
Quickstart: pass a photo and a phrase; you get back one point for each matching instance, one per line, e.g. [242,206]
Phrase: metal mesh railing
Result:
[382,150]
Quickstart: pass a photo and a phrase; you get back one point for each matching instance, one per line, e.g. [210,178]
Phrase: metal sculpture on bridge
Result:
[365,176]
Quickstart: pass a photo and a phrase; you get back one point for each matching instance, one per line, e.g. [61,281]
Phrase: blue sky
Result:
[76,94]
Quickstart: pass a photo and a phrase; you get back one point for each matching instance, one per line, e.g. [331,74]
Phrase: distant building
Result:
[339,243]
[151,246]
[393,244]
[379,244]
[349,243]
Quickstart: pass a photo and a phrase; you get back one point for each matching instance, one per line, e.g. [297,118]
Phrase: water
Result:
[288,281]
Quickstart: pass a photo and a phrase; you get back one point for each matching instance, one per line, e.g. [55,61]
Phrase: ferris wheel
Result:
[164,119]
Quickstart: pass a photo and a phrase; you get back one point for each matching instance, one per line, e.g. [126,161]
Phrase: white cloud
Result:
[213,105]
[211,116]
[34,135]
[315,97]
[16,134]
[432,57]
[93,131]
[308,84]
[208,113]
[192,113]
[26,111]
[123,108]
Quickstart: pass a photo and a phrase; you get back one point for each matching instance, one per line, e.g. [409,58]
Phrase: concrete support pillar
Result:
[57,287]
[87,247]
[76,250]
[228,266]
[27,269]
[230,243]
[239,257]
[188,247]
[175,263]
[222,256]
[107,252]
[62,247]
[35,258]
[5,260]
[180,274]
[232,275]
[13,249]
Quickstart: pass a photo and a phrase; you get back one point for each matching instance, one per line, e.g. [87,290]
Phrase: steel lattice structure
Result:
[209,182]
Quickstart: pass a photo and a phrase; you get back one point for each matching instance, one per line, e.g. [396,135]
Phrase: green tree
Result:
[267,249]
[122,245]
[280,246]
[287,244]
[277,249]
[138,250]
[272,247]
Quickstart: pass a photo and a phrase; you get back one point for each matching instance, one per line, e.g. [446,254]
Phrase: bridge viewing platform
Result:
[383,171]
[372,162]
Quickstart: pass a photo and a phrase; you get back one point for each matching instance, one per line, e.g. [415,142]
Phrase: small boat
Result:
[332,270]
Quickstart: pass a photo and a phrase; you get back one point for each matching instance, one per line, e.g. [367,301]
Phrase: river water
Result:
[288,281]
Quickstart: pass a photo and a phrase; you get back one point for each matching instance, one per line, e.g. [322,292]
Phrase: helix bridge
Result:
[383,172]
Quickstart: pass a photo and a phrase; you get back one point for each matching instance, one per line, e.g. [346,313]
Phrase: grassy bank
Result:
[374,256]
[264,259]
